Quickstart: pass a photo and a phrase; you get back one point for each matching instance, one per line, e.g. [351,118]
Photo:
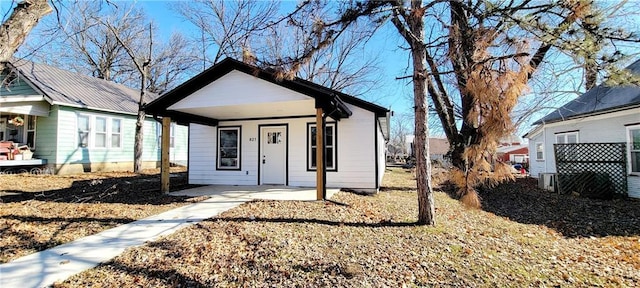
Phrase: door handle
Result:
[264,161]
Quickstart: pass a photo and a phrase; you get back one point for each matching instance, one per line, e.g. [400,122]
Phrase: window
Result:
[228,148]
[31,131]
[100,137]
[99,131]
[539,151]
[172,135]
[116,133]
[567,138]
[330,143]
[634,148]
[83,131]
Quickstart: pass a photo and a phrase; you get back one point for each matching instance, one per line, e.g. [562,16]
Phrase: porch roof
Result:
[316,96]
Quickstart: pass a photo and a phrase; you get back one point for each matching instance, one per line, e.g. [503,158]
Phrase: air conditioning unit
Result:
[548,181]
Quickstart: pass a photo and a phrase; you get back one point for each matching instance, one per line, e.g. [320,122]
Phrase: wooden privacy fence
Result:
[595,170]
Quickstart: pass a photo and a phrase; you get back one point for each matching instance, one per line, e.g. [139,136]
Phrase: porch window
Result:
[31,131]
[330,139]
[116,133]
[83,131]
[539,151]
[634,148]
[567,138]
[228,148]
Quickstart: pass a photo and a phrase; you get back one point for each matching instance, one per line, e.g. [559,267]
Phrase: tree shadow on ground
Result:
[141,189]
[522,201]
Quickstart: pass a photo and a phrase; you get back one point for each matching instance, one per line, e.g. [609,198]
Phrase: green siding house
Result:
[76,123]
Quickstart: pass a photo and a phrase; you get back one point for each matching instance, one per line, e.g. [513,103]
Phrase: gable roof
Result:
[598,100]
[319,92]
[66,88]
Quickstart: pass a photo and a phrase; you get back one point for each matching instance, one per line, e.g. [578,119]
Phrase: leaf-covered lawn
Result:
[372,242]
[38,212]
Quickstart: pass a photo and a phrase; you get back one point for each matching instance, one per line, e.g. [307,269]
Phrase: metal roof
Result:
[599,99]
[68,88]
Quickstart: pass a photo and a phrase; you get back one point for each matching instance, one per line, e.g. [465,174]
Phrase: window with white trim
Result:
[100,135]
[99,131]
[31,131]
[539,151]
[330,139]
[83,131]
[228,148]
[172,134]
[116,133]
[567,138]
[633,135]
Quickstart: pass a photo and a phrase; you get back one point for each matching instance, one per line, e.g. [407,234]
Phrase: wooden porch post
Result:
[319,155]
[164,154]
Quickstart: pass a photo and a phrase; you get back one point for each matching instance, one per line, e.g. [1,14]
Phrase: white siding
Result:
[381,155]
[606,128]
[536,166]
[355,148]
[238,88]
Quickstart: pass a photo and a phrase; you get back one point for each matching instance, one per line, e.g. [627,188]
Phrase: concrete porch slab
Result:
[264,192]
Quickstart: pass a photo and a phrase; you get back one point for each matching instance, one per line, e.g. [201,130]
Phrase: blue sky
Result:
[393,94]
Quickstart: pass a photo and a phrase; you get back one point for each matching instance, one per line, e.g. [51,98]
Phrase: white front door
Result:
[273,155]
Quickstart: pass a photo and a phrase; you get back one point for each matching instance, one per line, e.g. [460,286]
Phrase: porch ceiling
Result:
[262,110]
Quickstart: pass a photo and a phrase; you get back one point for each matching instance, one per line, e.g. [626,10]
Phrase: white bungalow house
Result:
[601,115]
[75,123]
[247,127]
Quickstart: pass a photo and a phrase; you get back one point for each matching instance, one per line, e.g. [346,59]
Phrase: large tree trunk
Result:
[14,31]
[426,206]
[139,137]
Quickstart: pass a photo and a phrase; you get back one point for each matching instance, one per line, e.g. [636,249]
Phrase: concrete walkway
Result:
[44,268]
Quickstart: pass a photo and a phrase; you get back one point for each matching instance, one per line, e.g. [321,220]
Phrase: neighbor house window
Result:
[634,148]
[567,138]
[31,131]
[539,151]
[99,132]
[172,135]
[229,148]
[100,137]
[116,133]
[330,140]
[83,131]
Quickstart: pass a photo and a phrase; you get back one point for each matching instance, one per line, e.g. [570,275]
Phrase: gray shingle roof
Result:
[68,88]
[598,100]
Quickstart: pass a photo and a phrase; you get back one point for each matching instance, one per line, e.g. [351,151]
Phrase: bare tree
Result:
[474,64]
[14,30]
[225,27]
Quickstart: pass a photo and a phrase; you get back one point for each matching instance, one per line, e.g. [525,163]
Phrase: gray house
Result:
[596,134]
[74,123]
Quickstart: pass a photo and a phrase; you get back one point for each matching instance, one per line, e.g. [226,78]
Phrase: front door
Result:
[273,155]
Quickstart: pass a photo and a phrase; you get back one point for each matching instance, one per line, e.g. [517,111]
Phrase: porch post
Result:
[164,155]
[319,155]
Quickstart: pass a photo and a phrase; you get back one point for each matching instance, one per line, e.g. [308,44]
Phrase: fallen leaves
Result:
[372,241]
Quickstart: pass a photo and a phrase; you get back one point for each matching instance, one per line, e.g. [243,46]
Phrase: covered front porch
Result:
[252,119]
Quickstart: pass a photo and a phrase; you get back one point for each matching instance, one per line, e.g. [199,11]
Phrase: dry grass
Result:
[41,211]
[372,242]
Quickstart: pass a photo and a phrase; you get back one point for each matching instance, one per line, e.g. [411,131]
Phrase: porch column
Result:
[164,155]
[319,155]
